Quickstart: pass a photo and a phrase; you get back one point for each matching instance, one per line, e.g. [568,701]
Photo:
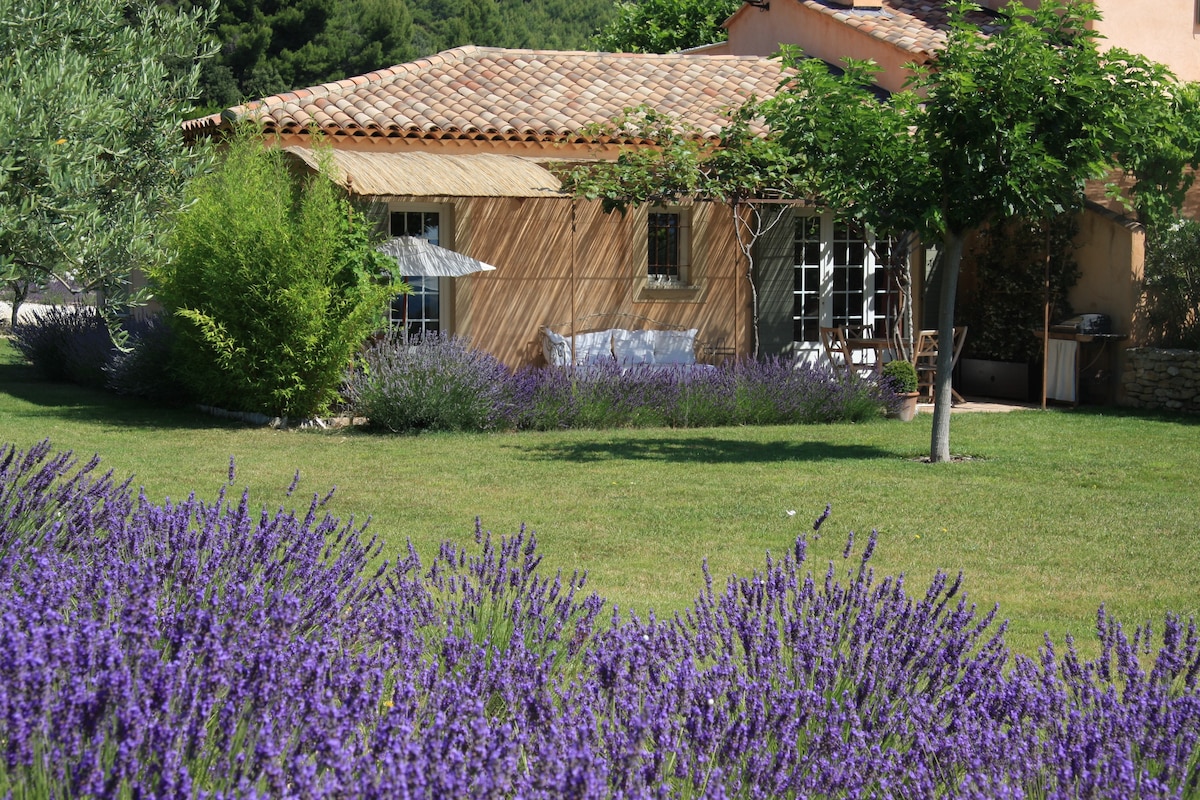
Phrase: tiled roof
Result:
[918,26]
[486,93]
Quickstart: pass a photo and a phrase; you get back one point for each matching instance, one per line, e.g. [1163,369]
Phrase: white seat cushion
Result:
[556,349]
[675,347]
[634,348]
[593,347]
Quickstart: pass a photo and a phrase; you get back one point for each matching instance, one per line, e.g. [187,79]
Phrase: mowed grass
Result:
[1052,514]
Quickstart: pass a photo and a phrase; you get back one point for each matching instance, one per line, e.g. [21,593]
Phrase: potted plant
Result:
[901,377]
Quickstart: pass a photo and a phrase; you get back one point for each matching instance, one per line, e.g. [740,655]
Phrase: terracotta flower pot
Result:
[907,409]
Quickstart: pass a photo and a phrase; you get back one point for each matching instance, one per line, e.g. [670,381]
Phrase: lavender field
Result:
[219,648]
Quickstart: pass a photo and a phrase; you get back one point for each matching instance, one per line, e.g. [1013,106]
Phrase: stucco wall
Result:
[753,31]
[1111,256]
[1164,31]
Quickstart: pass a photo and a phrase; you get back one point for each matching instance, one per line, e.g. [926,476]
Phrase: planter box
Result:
[1006,380]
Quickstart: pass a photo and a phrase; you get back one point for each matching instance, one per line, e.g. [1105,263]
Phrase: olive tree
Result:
[92,160]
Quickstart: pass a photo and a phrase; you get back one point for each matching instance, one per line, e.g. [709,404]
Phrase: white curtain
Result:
[1060,370]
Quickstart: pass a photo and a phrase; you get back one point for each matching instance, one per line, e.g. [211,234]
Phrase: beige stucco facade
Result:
[1111,252]
[761,32]
[1165,31]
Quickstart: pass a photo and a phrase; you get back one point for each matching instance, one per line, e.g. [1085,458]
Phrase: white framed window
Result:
[668,246]
[839,279]
[422,311]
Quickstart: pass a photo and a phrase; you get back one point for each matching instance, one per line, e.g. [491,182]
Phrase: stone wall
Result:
[1167,379]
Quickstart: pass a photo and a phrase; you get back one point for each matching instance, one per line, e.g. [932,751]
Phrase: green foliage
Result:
[1173,284]
[854,152]
[665,26]
[274,286]
[92,163]
[1159,121]
[639,175]
[536,24]
[902,374]
[1007,302]
[551,24]
[268,48]
[1009,129]
[738,164]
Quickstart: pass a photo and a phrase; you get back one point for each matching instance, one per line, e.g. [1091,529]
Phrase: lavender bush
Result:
[67,344]
[75,345]
[440,383]
[145,368]
[430,383]
[745,392]
[195,649]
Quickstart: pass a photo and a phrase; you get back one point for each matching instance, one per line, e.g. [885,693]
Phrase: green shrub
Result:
[1173,284]
[273,287]
[902,375]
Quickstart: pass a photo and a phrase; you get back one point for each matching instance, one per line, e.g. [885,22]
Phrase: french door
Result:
[838,280]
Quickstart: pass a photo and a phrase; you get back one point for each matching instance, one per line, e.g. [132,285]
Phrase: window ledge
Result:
[651,290]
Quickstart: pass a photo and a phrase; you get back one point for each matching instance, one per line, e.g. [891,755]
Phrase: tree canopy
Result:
[91,157]
[272,46]
[665,26]
[1006,125]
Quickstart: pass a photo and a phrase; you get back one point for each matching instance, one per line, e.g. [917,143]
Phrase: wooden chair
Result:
[925,359]
[837,350]
[834,344]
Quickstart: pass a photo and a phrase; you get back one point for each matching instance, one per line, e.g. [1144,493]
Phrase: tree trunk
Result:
[20,291]
[939,446]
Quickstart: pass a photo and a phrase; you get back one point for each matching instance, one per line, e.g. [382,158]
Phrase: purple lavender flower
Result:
[819,521]
[216,649]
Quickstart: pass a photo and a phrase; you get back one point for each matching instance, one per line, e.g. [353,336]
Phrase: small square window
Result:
[667,246]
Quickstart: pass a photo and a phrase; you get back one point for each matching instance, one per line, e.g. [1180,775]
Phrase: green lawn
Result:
[1053,514]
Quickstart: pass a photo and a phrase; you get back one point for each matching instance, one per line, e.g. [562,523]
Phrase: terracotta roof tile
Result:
[918,26]
[469,92]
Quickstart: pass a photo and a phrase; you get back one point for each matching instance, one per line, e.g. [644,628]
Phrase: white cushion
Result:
[633,348]
[675,347]
[593,347]
[556,349]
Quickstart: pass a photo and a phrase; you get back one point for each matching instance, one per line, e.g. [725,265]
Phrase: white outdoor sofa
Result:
[650,344]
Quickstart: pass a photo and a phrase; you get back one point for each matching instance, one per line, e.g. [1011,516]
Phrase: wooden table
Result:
[876,345]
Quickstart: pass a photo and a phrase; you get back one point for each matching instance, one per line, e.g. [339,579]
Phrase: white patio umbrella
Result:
[418,258]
